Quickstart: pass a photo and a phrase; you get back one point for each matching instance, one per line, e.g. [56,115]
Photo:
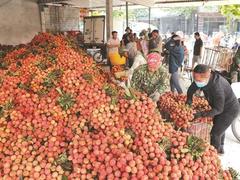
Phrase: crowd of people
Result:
[148,50]
[158,55]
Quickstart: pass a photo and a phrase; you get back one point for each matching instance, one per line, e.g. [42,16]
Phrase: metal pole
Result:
[149,16]
[42,20]
[109,17]
[127,14]
[185,23]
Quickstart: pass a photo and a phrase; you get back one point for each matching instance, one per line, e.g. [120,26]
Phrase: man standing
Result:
[132,50]
[235,68]
[149,33]
[125,38]
[198,49]
[151,78]
[224,104]
[144,43]
[176,56]
[155,43]
[113,44]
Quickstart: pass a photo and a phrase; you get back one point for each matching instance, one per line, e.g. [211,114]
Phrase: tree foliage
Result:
[231,11]
[132,13]
[141,13]
[184,11]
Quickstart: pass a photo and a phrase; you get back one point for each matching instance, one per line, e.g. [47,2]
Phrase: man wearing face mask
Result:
[224,104]
[151,78]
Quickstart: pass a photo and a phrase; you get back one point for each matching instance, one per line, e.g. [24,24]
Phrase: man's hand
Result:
[189,102]
[151,96]
[155,96]
[198,115]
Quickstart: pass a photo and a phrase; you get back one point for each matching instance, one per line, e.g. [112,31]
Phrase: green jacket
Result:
[150,82]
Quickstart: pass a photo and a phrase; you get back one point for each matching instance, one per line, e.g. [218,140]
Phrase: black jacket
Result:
[219,94]
[125,38]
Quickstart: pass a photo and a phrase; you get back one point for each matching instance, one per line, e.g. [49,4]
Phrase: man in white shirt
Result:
[114,43]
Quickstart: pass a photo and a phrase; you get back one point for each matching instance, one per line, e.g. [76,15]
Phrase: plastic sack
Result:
[138,60]
[116,59]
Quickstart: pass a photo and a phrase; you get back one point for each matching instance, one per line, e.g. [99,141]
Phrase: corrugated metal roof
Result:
[96,3]
[81,3]
[92,4]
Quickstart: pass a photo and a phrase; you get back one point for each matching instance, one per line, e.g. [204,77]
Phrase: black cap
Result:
[201,68]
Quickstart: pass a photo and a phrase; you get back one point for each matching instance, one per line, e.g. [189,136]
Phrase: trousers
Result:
[235,76]
[220,123]
[195,59]
[174,83]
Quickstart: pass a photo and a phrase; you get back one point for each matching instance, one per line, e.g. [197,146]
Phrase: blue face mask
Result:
[201,84]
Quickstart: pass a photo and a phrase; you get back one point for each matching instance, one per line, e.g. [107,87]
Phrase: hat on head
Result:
[176,37]
[154,58]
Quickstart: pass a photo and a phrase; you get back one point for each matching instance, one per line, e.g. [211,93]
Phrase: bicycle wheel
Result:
[236,128]
[97,56]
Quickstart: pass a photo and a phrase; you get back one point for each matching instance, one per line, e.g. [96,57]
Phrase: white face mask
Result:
[201,84]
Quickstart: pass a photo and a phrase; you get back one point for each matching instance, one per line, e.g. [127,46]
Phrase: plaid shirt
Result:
[149,82]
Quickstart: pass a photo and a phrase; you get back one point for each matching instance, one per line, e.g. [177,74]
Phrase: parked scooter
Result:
[96,54]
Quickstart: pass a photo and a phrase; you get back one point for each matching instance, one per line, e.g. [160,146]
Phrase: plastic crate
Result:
[201,130]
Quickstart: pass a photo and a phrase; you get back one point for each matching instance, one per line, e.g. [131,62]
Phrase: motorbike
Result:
[96,54]
[99,53]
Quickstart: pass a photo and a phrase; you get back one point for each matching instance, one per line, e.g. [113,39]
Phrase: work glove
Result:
[155,96]
[189,103]
[198,115]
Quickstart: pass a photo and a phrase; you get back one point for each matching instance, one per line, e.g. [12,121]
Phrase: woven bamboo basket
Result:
[201,130]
